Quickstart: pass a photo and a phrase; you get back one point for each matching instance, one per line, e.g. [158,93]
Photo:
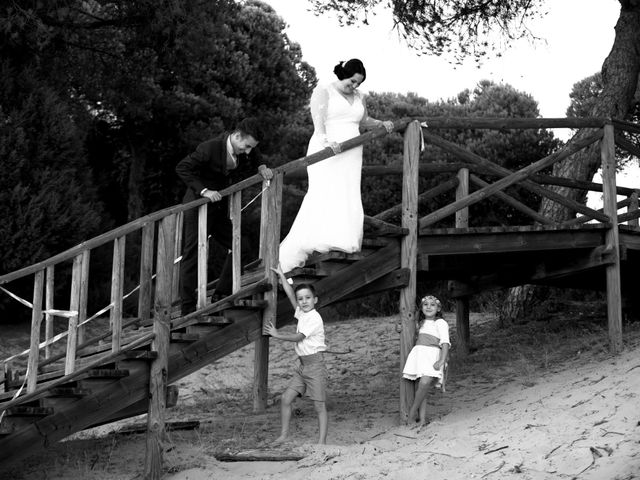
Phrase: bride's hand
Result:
[388,125]
[335,146]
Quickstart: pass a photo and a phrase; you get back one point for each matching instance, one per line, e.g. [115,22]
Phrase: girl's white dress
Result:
[421,357]
[331,215]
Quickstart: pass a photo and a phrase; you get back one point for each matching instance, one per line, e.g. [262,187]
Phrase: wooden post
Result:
[462,303]
[203,254]
[269,243]
[633,206]
[84,291]
[612,241]
[175,289]
[36,320]
[235,213]
[74,302]
[146,272]
[408,256]
[117,286]
[158,373]
[48,305]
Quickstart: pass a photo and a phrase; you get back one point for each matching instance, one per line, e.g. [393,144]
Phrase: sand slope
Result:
[545,401]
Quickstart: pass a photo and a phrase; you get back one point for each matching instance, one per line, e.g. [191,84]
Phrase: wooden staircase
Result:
[110,386]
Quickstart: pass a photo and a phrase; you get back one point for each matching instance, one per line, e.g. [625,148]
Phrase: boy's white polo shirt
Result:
[311,326]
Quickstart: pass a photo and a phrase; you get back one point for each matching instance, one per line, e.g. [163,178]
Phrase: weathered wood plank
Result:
[161,328]
[72,332]
[514,203]
[203,252]
[235,213]
[423,198]
[48,305]
[614,287]
[36,320]
[117,289]
[509,178]
[408,255]
[462,221]
[145,292]
[270,220]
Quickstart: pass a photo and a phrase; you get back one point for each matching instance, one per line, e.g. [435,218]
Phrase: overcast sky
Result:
[577,36]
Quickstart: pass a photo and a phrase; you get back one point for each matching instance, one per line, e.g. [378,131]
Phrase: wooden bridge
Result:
[106,365]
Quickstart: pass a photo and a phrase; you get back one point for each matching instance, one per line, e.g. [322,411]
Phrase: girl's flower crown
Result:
[432,298]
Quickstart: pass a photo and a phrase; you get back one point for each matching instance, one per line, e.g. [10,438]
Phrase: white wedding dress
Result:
[331,215]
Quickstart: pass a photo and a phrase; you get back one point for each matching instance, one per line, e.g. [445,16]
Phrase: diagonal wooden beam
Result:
[510,178]
[519,176]
[515,203]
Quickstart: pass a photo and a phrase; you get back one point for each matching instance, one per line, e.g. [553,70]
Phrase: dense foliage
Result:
[100,99]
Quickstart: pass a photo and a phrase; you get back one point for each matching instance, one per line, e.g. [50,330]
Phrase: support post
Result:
[235,213]
[612,241]
[74,302]
[203,255]
[269,241]
[146,273]
[117,289]
[36,320]
[84,295]
[175,290]
[48,305]
[408,256]
[158,373]
[633,207]
[462,303]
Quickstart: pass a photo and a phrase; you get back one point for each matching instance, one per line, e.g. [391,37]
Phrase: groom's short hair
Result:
[250,126]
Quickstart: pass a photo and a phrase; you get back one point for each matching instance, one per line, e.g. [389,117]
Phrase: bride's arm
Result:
[318,105]
[369,123]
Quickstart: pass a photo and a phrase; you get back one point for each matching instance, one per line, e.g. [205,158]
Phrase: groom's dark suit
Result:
[206,168]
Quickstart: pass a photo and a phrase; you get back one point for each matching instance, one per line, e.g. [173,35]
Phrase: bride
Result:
[331,215]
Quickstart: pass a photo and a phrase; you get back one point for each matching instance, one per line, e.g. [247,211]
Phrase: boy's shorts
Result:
[310,377]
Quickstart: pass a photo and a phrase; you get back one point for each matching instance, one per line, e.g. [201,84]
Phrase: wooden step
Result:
[27,411]
[179,337]
[209,320]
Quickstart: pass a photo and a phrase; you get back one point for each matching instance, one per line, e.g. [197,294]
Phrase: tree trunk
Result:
[619,81]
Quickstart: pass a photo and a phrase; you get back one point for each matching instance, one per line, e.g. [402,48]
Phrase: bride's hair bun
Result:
[349,69]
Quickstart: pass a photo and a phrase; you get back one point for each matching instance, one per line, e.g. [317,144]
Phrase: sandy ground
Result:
[545,402]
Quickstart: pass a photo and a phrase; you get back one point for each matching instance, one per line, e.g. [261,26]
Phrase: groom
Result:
[213,166]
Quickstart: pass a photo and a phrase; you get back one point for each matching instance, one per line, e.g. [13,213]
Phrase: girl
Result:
[428,357]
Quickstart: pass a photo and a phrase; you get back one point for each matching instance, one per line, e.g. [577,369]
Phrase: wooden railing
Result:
[160,232]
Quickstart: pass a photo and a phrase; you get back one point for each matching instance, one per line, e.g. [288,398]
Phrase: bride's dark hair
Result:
[349,69]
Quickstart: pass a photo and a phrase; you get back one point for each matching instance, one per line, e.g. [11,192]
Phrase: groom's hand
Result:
[267,173]
[212,195]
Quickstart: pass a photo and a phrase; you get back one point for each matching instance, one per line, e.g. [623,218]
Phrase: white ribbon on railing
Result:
[256,197]
[68,314]
[15,297]
[423,125]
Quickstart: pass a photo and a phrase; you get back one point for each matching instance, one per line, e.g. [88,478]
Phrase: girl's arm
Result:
[444,356]
[368,122]
[288,289]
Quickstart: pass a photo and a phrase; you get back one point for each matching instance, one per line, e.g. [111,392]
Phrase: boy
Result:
[311,375]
